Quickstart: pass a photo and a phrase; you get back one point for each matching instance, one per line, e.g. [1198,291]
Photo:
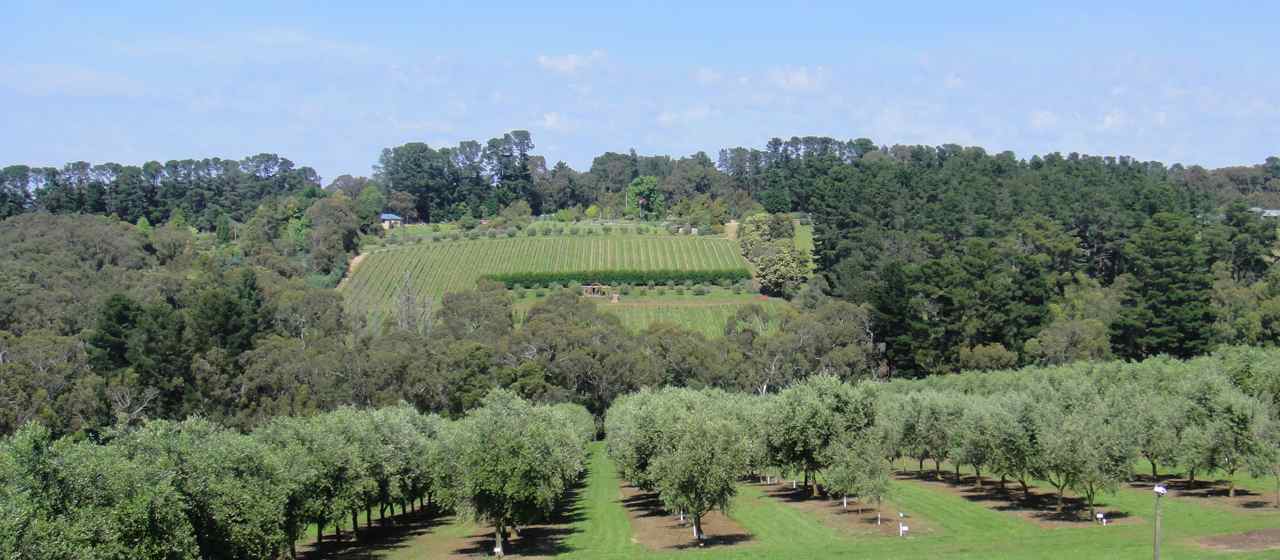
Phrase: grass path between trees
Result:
[967,529]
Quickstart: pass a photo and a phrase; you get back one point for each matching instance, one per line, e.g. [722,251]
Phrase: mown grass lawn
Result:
[964,529]
[706,314]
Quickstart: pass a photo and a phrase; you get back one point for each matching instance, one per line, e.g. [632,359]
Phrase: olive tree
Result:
[82,500]
[698,470]
[859,468]
[1234,440]
[808,416]
[506,467]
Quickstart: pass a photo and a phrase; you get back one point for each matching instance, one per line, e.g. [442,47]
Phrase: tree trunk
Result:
[697,528]
[1002,481]
[498,535]
[1231,486]
[845,505]
[1026,492]
[1093,514]
[368,515]
[957,473]
[293,547]
[1191,478]
[1154,476]
[355,524]
[937,470]
[977,475]
[319,532]
[815,484]
[1059,508]
[921,469]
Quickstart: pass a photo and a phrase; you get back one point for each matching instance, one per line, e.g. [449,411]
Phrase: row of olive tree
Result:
[692,447]
[193,489]
[1080,428]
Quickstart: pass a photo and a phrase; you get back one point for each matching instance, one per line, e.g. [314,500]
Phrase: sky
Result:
[330,84]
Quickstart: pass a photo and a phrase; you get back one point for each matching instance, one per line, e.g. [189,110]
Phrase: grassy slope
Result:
[705,314]
[434,268]
[967,529]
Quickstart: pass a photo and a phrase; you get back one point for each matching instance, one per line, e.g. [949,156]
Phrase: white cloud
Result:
[1115,119]
[1042,119]
[707,76]
[685,117]
[799,79]
[570,63]
[553,121]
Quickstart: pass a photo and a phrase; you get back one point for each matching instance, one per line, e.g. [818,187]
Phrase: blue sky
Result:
[331,84]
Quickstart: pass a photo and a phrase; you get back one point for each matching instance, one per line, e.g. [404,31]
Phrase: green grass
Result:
[964,529]
[435,268]
[804,242]
[706,314]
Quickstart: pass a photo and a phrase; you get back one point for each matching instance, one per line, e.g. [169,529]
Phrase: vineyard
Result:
[432,269]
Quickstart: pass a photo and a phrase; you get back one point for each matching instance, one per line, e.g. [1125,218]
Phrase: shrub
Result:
[680,291]
[625,289]
[454,236]
[662,291]
[573,230]
[644,291]
[492,234]
[511,233]
[607,229]
[539,293]
[700,290]
[737,288]
[531,232]
[435,228]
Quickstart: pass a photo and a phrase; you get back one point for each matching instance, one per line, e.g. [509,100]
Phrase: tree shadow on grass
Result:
[1206,489]
[657,533]
[545,538]
[1039,506]
[388,534]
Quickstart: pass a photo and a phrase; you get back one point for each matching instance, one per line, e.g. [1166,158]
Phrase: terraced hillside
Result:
[435,268]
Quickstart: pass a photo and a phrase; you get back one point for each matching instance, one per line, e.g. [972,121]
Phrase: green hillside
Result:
[706,314]
[432,268]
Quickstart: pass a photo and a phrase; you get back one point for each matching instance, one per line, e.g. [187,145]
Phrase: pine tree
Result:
[1167,310]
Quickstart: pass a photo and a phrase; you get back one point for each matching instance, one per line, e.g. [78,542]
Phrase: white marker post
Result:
[1160,491]
[902,527]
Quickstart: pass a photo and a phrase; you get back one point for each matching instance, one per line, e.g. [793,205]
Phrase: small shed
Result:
[391,221]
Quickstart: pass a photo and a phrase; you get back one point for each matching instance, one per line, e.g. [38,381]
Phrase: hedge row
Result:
[613,277]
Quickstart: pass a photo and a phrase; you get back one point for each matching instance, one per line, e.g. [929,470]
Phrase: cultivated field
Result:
[947,520]
[705,313]
[432,269]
